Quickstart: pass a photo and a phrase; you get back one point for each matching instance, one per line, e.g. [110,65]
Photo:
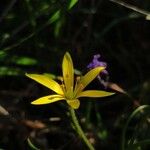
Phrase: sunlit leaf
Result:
[24,60]
[55,16]
[148,17]
[72,3]
[58,26]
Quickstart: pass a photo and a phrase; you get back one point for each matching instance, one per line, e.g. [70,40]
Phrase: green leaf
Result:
[32,145]
[72,3]
[24,60]
[9,71]
[3,54]
[58,26]
[55,16]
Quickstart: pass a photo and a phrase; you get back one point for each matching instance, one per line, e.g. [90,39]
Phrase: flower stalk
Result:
[79,129]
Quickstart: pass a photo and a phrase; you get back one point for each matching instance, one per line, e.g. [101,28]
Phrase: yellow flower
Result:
[67,90]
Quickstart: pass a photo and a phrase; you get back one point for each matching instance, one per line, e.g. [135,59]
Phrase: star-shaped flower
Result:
[67,90]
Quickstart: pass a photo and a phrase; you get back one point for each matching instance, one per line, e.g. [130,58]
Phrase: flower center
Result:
[68,94]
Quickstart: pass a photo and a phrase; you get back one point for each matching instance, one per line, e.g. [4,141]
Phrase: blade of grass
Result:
[32,145]
[129,6]
[140,143]
[134,113]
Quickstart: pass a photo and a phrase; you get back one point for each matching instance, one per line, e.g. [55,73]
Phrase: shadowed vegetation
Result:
[34,36]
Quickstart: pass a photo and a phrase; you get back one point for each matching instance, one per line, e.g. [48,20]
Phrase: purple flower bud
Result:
[97,63]
[104,76]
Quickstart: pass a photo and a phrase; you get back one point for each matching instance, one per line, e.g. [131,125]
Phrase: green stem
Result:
[79,129]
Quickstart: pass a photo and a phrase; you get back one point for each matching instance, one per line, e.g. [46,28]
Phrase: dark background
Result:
[34,36]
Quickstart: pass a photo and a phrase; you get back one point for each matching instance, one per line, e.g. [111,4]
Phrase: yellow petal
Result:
[87,78]
[94,93]
[68,72]
[75,103]
[46,81]
[47,99]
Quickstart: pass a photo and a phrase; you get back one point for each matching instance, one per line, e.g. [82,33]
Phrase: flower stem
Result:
[79,129]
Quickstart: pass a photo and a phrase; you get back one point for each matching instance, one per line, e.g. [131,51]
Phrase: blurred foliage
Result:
[34,36]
